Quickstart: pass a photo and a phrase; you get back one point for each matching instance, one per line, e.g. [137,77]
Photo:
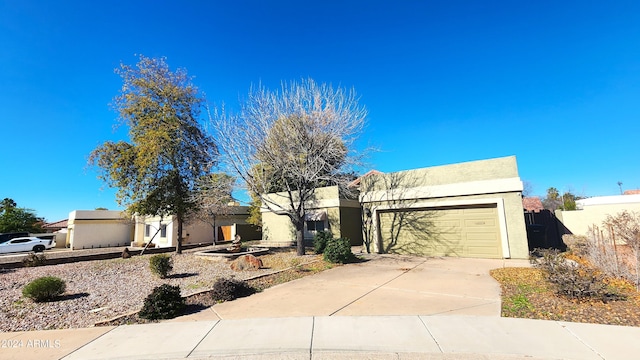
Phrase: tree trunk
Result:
[179,243]
[300,237]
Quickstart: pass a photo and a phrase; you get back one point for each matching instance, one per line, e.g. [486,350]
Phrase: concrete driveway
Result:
[382,285]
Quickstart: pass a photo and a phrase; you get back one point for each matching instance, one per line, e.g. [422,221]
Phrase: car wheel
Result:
[38,248]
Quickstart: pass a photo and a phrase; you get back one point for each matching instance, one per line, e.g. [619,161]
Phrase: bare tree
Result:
[625,226]
[300,138]
[213,194]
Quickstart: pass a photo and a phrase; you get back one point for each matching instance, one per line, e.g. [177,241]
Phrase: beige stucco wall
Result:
[278,228]
[579,221]
[194,231]
[467,172]
[98,228]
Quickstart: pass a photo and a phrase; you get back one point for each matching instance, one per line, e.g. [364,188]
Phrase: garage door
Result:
[468,231]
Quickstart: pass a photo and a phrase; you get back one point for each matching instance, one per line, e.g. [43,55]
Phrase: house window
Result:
[147,230]
[315,226]
[163,231]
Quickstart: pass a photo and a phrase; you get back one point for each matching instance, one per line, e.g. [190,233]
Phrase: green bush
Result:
[230,289]
[573,280]
[320,240]
[34,260]
[160,265]
[164,302]
[338,251]
[44,289]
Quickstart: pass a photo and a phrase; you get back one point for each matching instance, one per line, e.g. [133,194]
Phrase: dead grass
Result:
[527,294]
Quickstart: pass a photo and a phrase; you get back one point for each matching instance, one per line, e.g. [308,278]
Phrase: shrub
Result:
[160,265]
[164,302]
[230,289]
[338,251]
[320,240]
[573,280]
[34,260]
[44,289]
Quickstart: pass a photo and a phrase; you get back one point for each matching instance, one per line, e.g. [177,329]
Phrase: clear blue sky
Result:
[556,83]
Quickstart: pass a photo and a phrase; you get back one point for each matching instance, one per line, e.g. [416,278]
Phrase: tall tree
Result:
[156,171]
[299,138]
[7,204]
[552,201]
[566,201]
[15,219]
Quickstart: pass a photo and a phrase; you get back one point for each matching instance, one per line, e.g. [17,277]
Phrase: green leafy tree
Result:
[569,201]
[299,138]
[15,219]
[255,215]
[156,171]
[554,200]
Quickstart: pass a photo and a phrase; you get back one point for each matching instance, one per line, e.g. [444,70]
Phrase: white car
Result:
[30,243]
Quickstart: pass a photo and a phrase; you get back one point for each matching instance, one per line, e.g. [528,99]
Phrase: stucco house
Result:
[593,211]
[471,209]
[329,210]
[88,229]
[162,232]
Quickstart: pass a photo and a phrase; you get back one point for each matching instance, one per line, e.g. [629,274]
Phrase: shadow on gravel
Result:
[72,296]
[181,276]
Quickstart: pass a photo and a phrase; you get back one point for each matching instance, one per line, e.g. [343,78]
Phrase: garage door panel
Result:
[465,231]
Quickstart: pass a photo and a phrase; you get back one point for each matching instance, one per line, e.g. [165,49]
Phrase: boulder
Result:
[246,262]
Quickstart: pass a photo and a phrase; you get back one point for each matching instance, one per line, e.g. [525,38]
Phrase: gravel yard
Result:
[102,289]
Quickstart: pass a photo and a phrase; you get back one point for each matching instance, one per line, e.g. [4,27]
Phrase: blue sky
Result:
[556,83]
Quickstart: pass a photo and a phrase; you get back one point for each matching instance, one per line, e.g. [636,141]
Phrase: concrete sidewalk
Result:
[335,337]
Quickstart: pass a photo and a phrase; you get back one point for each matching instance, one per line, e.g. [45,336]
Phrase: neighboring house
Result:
[593,211]
[533,204]
[89,229]
[471,209]
[55,226]
[162,232]
[56,231]
[329,210]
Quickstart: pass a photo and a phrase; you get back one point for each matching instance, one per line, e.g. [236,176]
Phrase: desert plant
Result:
[320,240]
[230,289]
[572,280]
[625,226]
[338,251]
[45,288]
[160,265]
[164,302]
[34,260]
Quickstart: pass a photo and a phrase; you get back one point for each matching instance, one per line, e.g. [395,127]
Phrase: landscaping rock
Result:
[246,262]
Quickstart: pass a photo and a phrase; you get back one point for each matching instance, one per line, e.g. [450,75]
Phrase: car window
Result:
[19,241]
